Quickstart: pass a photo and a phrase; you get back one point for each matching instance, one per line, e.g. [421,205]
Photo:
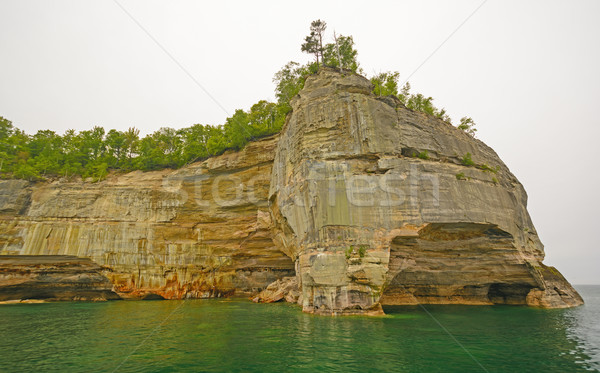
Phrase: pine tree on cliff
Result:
[313,43]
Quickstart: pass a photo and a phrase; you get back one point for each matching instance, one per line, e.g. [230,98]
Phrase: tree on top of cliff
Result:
[318,28]
[347,54]
[386,83]
[290,79]
[313,43]
[92,153]
[341,53]
[311,46]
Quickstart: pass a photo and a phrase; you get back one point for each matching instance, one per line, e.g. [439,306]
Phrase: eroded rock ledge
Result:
[52,278]
[358,203]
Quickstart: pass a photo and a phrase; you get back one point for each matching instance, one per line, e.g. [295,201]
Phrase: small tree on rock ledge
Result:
[468,125]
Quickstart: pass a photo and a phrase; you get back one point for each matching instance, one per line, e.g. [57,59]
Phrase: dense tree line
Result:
[94,153]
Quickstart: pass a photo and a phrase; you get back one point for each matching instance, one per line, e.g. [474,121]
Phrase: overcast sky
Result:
[527,72]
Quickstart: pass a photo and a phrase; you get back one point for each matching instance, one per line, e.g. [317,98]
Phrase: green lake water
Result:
[236,336]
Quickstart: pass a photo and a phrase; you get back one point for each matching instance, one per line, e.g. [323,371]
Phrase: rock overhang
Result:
[332,187]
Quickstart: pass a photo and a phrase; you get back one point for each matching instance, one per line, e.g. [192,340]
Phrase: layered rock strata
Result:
[378,204]
[358,203]
[52,278]
[200,231]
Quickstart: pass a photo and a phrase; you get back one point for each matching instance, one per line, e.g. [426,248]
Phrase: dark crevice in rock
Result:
[153,296]
[516,294]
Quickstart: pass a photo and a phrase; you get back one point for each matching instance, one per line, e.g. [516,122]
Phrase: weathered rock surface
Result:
[282,289]
[369,222]
[52,278]
[201,231]
[358,203]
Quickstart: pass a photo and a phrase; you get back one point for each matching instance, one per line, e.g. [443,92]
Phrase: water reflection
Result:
[234,336]
[583,325]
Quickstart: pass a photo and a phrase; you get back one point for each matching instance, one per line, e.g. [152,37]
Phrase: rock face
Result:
[378,204]
[52,278]
[201,231]
[282,289]
[358,203]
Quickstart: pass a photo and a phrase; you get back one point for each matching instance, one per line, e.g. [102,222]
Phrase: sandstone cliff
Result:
[201,231]
[358,203]
[378,204]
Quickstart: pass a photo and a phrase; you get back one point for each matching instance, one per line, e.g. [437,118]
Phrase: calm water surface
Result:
[214,335]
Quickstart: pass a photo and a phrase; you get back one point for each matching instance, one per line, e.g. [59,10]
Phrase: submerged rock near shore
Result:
[358,203]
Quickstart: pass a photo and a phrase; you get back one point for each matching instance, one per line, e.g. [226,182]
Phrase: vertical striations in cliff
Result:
[200,231]
[363,202]
[378,204]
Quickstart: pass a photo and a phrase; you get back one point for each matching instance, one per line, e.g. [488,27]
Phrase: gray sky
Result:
[527,72]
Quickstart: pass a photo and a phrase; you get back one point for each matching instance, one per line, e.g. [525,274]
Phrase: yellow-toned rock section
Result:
[358,203]
[201,231]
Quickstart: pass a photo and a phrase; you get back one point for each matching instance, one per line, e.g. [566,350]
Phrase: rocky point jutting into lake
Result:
[359,202]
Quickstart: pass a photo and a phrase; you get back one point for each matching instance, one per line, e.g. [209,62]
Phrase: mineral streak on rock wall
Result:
[378,204]
[201,231]
[360,202]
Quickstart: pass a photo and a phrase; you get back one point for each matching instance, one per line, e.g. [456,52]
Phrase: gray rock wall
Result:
[369,221]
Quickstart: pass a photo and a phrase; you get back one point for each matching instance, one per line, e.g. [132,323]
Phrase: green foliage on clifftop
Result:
[94,153]
[386,84]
